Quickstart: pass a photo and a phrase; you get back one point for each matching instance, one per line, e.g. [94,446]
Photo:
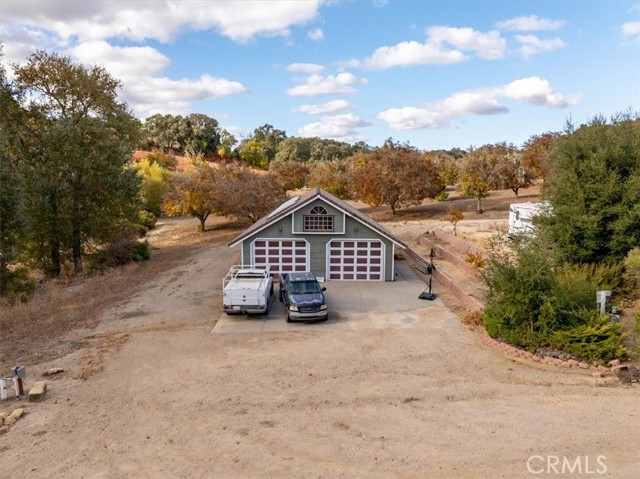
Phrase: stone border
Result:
[515,352]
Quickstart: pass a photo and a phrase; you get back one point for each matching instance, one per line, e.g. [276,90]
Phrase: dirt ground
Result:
[155,394]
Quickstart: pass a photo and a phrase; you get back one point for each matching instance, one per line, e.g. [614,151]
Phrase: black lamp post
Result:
[430,295]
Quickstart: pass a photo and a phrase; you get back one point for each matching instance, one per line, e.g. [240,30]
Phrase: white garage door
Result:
[280,255]
[356,260]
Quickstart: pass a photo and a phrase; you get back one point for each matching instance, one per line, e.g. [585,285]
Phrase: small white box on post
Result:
[601,299]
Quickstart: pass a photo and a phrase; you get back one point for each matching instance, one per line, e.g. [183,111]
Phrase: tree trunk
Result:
[479,206]
[203,219]
[54,241]
[54,247]
[76,248]
[393,209]
[515,190]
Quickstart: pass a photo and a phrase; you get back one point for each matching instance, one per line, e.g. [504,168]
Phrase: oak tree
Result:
[76,140]
[195,193]
[477,175]
[290,175]
[393,175]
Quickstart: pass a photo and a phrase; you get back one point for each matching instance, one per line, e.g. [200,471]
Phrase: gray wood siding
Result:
[271,231]
[338,221]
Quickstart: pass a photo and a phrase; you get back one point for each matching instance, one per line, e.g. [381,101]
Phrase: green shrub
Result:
[596,339]
[141,251]
[632,268]
[122,250]
[16,286]
[520,282]
[442,196]
[165,161]
[532,303]
[147,219]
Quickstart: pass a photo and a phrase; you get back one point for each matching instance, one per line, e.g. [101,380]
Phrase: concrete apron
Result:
[355,305]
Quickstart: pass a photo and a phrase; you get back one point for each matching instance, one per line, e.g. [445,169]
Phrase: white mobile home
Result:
[521,217]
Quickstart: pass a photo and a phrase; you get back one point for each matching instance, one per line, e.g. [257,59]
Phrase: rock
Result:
[53,371]
[597,374]
[17,413]
[572,362]
[37,391]
[10,421]
[614,362]
[4,415]
[583,365]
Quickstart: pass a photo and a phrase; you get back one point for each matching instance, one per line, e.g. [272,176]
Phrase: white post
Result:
[3,389]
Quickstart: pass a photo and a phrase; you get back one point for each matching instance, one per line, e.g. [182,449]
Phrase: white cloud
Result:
[160,20]
[18,42]
[121,62]
[409,53]
[631,29]
[328,107]
[236,131]
[143,86]
[482,101]
[436,50]
[316,85]
[489,46]
[316,34]
[530,23]
[537,91]
[337,127]
[532,45]
[305,68]
[150,95]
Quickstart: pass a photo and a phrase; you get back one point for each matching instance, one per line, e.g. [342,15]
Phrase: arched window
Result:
[318,219]
[318,210]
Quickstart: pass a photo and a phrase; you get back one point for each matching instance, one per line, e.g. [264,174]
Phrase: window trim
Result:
[317,223]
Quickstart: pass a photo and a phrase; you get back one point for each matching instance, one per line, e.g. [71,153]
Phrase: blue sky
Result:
[434,74]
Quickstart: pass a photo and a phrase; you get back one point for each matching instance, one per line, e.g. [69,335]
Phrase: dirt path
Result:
[168,399]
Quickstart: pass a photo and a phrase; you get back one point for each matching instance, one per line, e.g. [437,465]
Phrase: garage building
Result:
[320,233]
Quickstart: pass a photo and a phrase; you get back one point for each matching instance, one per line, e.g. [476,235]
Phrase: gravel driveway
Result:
[355,305]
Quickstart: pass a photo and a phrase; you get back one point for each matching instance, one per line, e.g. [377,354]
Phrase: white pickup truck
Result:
[246,290]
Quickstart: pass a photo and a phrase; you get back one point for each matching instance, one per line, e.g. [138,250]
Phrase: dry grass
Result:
[34,332]
[472,318]
[93,359]
[494,206]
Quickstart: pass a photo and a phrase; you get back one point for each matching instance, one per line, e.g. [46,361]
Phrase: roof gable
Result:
[294,204]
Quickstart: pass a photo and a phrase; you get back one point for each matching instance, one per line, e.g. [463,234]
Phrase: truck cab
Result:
[303,297]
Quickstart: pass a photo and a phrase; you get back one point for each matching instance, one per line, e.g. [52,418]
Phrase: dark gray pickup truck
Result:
[303,297]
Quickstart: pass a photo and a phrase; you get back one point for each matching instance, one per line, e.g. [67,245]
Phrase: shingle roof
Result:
[290,206]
